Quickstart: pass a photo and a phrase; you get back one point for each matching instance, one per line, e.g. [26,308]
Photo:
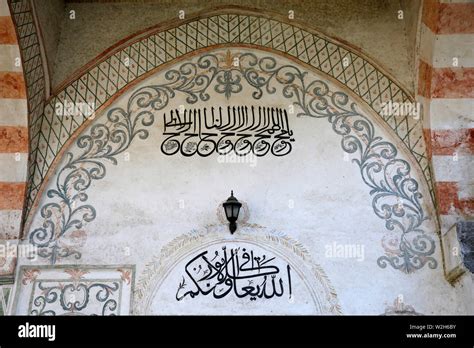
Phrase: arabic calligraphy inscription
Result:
[242,130]
[236,271]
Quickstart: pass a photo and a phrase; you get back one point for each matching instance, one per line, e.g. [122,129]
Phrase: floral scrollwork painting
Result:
[395,194]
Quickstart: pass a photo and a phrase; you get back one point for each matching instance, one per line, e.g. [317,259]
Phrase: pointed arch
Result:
[135,58]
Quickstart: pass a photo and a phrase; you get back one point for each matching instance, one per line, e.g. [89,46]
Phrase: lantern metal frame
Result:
[231,209]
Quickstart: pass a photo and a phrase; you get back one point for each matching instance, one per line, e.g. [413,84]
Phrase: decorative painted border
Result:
[395,194]
[32,62]
[157,269]
[73,277]
[111,75]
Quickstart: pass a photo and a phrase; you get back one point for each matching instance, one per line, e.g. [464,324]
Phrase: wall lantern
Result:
[232,208]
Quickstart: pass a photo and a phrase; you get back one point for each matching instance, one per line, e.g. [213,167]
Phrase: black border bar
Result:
[216,330]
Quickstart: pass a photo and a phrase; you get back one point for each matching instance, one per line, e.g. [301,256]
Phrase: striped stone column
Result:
[446,89]
[13,137]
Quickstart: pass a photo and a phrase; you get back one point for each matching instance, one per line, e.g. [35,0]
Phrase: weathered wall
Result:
[13,136]
[445,87]
[371,25]
[13,146]
[22,94]
[158,211]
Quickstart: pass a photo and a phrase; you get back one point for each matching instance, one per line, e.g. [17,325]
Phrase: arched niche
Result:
[137,57]
[346,181]
[277,275]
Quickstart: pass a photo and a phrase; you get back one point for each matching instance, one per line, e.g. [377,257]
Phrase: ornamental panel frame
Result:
[73,290]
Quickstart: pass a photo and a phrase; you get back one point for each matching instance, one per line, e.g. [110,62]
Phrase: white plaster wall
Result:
[312,195]
[371,25]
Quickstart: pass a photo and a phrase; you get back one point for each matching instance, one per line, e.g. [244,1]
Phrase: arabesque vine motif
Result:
[61,233]
[75,297]
[395,195]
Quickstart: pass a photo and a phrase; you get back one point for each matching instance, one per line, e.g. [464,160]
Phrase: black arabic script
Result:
[243,130]
[237,271]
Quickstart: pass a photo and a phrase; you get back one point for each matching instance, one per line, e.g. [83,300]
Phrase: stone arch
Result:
[109,76]
[314,99]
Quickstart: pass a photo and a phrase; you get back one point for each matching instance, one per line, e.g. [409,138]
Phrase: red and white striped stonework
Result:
[446,89]
[13,135]
[447,82]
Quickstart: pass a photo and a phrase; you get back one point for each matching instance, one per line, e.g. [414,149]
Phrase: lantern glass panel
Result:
[228,210]
[236,211]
